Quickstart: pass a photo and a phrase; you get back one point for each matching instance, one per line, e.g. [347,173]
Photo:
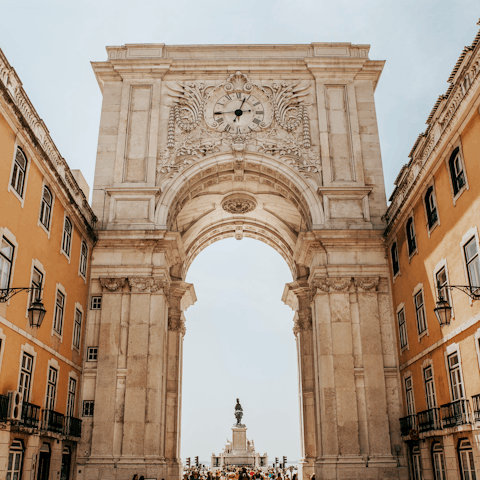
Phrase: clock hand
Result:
[232,111]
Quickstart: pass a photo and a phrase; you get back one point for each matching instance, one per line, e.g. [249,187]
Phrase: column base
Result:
[306,468]
[357,467]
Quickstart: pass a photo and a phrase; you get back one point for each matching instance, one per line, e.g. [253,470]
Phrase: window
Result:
[96,303]
[420,313]
[429,387]
[416,464]
[6,262]
[18,174]
[456,171]
[409,396]
[46,208]
[456,382]
[37,282]
[77,328]
[438,462]
[92,353]
[59,308]
[473,263]
[411,239]
[67,237]
[15,460]
[431,208]
[51,388]
[72,388]
[441,277]
[88,408]
[467,464]
[25,382]
[83,259]
[402,328]
[394,254]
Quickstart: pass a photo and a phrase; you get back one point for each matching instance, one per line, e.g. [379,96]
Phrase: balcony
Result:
[408,423]
[456,413]
[3,408]
[30,415]
[429,420]
[52,421]
[73,427]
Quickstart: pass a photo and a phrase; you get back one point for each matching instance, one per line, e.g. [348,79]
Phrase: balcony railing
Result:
[3,408]
[30,415]
[456,413]
[52,421]
[408,423]
[429,420]
[73,427]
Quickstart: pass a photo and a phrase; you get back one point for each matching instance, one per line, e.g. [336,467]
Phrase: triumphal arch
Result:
[273,142]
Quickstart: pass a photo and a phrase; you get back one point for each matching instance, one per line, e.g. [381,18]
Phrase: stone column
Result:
[298,296]
[177,301]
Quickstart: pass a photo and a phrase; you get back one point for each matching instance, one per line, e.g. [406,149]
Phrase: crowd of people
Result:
[239,473]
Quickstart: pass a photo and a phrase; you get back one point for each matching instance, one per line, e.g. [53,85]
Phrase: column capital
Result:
[180,296]
[148,284]
[112,284]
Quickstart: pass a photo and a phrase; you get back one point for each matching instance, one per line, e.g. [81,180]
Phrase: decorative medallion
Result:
[239,204]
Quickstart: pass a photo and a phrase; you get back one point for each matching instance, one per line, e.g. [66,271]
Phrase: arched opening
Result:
[239,344]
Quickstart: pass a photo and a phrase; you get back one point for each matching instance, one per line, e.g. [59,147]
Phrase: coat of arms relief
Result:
[239,116]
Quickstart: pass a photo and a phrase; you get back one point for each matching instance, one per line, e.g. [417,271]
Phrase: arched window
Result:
[19,169]
[46,208]
[438,461]
[411,239]
[67,237]
[431,207]
[15,461]
[467,464]
[394,255]
[416,464]
[456,171]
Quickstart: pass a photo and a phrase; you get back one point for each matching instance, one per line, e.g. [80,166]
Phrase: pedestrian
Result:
[135,477]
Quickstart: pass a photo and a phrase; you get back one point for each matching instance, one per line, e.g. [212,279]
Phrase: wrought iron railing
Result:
[3,408]
[407,424]
[456,413]
[429,420]
[73,427]
[30,415]
[52,421]
[476,407]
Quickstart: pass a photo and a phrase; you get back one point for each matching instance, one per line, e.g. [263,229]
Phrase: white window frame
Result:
[443,264]
[15,451]
[416,290]
[438,456]
[86,261]
[428,364]
[457,144]
[399,309]
[78,307]
[36,264]
[91,302]
[88,353]
[5,232]
[29,350]
[415,251]
[3,341]
[52,363]
[477,345]
[450,350]
[7,261]
[27,170]
[431,183]
[72,376]
[472,232]
[471,458]
[416,467]
[39,223]
[394,275]
[408,376]
[67,255]
[59,288]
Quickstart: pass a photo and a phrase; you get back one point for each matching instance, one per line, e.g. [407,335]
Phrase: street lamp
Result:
[36,311]
[443,310]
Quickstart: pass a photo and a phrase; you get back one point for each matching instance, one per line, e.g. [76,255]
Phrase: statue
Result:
[238,413]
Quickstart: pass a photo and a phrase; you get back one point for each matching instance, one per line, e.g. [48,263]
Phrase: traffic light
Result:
[276,460]
[196,461]
[284,461]
[188,461]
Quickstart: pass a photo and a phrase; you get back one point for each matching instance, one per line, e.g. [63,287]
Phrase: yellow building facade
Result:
[46,235]
[433,246]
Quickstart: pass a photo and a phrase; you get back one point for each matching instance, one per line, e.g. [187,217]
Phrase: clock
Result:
[239,112]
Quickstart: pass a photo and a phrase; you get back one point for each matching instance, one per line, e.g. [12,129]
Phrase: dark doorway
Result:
[44,462]
[66,461]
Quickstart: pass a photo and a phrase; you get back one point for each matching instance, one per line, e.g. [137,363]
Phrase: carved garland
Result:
[361,284]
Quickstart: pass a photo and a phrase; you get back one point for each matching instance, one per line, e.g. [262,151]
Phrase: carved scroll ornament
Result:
[366,284]
[147,284]
[341,284]
[112,284]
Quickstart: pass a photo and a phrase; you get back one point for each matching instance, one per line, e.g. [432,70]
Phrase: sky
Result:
[239,340]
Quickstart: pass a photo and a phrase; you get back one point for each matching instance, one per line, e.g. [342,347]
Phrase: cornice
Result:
[18,106]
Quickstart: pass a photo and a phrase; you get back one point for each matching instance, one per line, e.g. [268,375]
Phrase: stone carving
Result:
[238,414]
[112,284]
[338,284]
[147,284]
[239,204]
[176,323]
[238,82]
[302,323]
[366,284]
[160,284]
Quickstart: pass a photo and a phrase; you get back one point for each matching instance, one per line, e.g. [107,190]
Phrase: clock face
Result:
[239,112]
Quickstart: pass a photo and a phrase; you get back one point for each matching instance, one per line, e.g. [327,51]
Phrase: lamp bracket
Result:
[7,293]
[471,291]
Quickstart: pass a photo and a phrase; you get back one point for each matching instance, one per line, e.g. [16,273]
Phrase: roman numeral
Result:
[222,104]
[228,97]
[256,120]
[258,113]
[255,104]
[239,95]
[227,128]
[239,130]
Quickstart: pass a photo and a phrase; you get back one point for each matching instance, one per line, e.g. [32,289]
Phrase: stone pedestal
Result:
[239,439]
